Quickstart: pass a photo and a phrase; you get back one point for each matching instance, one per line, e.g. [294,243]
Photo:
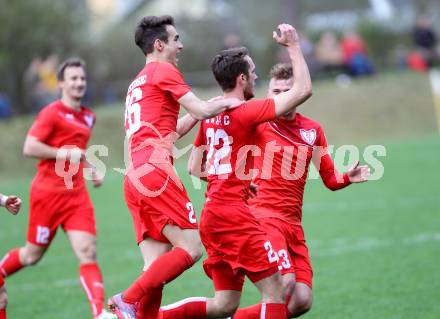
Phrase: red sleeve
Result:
[255,112]
[43,124]
[260,129]
[332,179]
[200,137]
[168,78]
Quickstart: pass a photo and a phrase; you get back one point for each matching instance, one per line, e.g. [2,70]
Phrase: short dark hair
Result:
[75,62]
[281,71]
[151,28]
[229,64]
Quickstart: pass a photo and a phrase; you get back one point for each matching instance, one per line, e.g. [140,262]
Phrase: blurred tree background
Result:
[101,32]
[33,29]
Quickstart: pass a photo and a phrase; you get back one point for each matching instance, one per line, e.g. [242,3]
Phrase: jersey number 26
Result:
[133,112]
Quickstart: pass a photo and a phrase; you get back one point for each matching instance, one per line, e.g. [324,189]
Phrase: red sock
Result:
[10,263]
[251,312]
[149,305]
[2,313]
[263,311]
[189,308]
[273,311]
[91,280]
[163,270]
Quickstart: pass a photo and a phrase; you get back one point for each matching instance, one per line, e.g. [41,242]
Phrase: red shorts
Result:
[48,210]
[289,243]
[155,201]
[2,281]
[236,246]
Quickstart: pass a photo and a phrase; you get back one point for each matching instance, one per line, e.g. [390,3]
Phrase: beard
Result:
[248,93]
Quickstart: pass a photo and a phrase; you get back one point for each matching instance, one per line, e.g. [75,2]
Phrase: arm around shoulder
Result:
[201,110]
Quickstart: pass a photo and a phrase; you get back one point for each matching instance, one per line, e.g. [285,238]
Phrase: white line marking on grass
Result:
[345,246]
[371,205]
[338,246]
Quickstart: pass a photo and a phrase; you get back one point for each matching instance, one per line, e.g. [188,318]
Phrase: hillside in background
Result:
[369,111]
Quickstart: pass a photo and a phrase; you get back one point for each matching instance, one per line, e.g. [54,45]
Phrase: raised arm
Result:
[302,85]
[201,110]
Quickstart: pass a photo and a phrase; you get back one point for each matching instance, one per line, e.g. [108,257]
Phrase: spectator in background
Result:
[231,40]
[5,107]
[308,50]
[48,76]
[425,40]
[41,82]
[32,85]
[329,54]
[355,55]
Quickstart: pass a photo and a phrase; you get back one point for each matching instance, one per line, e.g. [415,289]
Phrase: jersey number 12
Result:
[215,156]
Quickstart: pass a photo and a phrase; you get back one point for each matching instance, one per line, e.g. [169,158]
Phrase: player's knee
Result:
[288,287]
[227,308]
[303,303]
[87,252]
[3,298]
[194,250]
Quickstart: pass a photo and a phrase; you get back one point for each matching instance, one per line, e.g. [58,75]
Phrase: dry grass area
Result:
[373,110]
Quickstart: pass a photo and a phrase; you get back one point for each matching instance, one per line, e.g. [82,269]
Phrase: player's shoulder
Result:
[160,71]
[51,108]
[259,102]
[88,111]
[162,66]
[139,80]
[254,104]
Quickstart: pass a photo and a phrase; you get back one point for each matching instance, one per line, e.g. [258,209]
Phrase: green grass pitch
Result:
[375,247]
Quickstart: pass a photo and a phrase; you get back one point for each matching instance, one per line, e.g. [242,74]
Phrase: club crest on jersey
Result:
[308,136]
[89,120]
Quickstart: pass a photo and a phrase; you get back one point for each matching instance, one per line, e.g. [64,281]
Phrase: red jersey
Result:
[58,125]
[282,177]
[230,136]
[152,110]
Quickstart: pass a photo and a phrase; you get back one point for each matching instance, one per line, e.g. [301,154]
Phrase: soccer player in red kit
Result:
[289,144]
[232,236]
[164,220]
[12,204]
[59,135]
